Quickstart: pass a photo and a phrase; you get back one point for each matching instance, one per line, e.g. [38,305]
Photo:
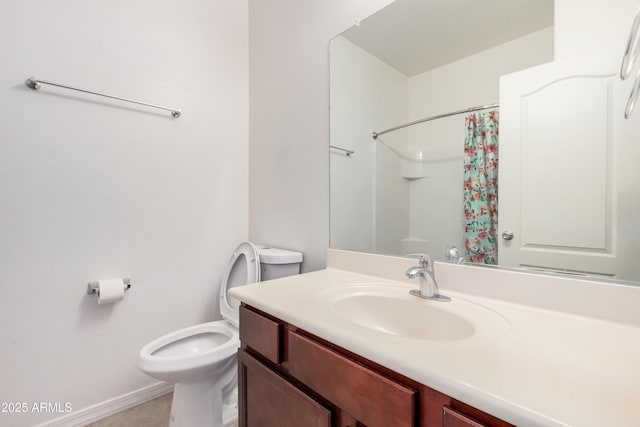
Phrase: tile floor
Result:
[154,413]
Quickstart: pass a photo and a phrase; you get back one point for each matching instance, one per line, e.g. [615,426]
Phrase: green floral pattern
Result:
[481,187]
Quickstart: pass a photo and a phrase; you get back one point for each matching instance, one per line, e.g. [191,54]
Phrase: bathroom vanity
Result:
[348,346]
[288,374]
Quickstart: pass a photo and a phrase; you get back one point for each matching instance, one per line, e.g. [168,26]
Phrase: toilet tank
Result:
[276,263]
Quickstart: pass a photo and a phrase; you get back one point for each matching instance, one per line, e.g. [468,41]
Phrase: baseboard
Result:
[109,407]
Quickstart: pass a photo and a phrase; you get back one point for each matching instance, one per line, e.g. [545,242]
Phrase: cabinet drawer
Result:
[453,418]
[370,397]
[261,334]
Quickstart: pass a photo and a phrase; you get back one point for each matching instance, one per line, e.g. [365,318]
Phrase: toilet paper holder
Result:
[92,287]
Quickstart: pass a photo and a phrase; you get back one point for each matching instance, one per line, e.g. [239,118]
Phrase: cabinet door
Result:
[269,400]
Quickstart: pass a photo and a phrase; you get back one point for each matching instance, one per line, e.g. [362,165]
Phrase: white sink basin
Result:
[391,310]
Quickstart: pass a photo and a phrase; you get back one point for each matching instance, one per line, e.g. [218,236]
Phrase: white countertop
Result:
[545,368]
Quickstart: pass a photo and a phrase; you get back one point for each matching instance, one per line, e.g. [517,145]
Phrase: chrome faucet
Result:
[428,285]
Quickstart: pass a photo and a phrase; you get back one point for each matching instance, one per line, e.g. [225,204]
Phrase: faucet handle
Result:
[424,259]
[452,254]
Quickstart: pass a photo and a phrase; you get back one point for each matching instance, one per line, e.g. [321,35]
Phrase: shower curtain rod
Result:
[439,116]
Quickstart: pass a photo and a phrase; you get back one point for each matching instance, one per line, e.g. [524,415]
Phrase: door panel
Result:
[558,184]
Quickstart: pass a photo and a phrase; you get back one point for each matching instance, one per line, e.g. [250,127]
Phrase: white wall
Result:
[436,200]
[366,189]
[392,195]
[93,189]
[289,119]
[289,106]
[591,27]
[589,43]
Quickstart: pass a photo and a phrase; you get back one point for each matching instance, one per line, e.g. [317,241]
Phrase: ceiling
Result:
[438,32]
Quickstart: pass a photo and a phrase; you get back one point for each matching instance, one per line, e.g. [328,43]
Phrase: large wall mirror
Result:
[522,157]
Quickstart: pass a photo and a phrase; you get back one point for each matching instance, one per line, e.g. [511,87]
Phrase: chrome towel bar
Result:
[347,152]
[34,84]
[628,60]
[631,49]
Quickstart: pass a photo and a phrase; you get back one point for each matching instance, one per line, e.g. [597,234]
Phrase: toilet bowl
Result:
[190,354]
[202,360]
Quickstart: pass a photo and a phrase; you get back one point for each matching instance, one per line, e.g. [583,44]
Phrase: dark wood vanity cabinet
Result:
[288,377]
[269,400]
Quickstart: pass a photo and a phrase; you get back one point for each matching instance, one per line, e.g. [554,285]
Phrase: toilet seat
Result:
[246,259]
[177,355]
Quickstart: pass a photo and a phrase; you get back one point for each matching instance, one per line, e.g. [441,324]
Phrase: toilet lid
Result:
[243,269]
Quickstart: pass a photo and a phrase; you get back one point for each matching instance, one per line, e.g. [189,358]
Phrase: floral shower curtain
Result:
[481,187]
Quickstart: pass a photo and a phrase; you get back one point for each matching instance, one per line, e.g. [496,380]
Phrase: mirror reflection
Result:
[487,185]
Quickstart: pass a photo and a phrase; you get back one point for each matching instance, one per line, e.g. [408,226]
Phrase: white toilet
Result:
[202,359]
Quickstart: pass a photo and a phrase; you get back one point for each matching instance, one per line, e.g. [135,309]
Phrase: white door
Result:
[562,145]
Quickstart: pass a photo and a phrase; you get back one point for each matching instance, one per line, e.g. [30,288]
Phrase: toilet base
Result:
[209,403]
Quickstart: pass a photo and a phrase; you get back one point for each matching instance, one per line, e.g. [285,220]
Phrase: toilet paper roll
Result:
[110,291]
